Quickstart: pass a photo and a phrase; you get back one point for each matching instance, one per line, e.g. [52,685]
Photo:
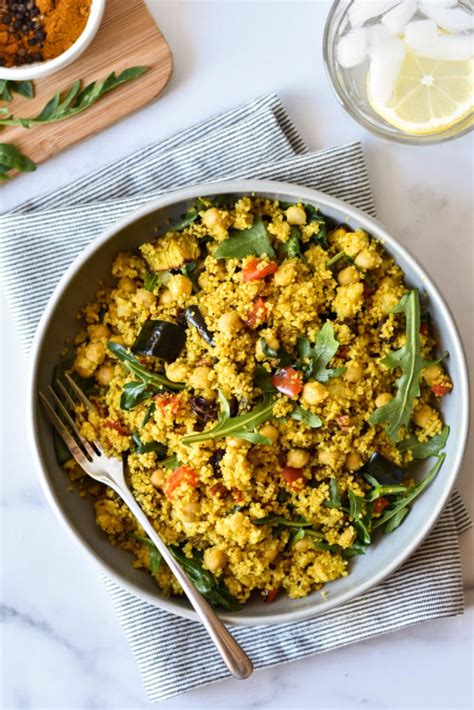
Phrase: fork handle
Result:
[235,658]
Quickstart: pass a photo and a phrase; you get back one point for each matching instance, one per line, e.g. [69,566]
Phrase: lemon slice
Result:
[429,96]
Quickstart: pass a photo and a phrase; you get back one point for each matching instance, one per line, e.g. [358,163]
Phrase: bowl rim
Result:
[373,227]
[37,70]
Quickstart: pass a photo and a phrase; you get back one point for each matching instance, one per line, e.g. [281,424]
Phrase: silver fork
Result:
[110,472]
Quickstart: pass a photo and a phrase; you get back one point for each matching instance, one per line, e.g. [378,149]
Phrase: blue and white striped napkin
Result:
[38,241]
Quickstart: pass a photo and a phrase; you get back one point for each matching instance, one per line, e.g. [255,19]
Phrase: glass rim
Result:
[379,129]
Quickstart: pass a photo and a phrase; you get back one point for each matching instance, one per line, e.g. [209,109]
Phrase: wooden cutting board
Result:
[128,36]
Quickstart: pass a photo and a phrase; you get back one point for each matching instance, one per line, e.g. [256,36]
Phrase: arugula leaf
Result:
[242,427]
[292,247]
[8,88]
[393,515]
[303,415]
[335,258]
[170,463]
[246,242]
[283,357]
[279,520]
[214,590]
[314,215]
[11,158]
[357,548]
[318,356]
[64,105]
[424,449]
[357,511]
[395,415]
[135,393]
[148,414]
[334,500]
[263,379]
[153,552]
[152,446]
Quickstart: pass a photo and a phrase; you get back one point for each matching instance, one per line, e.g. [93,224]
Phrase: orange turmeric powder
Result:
[38,30]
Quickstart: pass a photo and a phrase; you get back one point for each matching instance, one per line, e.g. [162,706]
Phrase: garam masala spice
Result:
[37,30]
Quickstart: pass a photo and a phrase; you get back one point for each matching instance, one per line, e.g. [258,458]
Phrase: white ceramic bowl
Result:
[30,72]
[59,321]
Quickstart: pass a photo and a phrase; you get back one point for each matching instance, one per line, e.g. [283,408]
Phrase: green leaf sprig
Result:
[424,449]
[241,427]
[315,358]
[23,88]
[11,158]
[314,215]
[395,415]
[154,554]
[301,414]
[151,446]
[69,103]
[253,241]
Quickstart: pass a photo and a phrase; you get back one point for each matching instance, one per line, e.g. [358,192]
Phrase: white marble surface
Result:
[61,644]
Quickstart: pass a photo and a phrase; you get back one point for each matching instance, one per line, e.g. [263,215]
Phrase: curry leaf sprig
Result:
[11,158]
[147,384]
[240,427]
[23,88]
[69,103]
[316,357]
[395,415]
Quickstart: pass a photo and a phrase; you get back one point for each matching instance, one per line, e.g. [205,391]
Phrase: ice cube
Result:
[352,47]
[424,39]
[452,20]
[443,3]
[399,16]
[362,10]
[378,35]
[385,63]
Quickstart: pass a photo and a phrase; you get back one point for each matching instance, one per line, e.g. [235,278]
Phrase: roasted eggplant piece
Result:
[384,471]
[160,338]
[194,317]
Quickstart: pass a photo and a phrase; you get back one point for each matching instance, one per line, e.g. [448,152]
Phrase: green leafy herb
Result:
[278,520]
[242,427]
[215,591]
[283,357]
[152,279]
[189,270]
[263,379]
[396,512]
[315,358]
[334,496]
[148,414]
[152,446]
[395,415]
[313,215]
[71,102]
[424,449]
[148,384]
[11,158]
[246,242]
[8,88]
[170,463]
[335,258]
[154,554]
[292,247]
[357,548]
[304,415]
[190,216]
[357,511]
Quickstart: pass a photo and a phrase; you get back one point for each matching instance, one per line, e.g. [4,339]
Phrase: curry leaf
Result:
[11,158]
[64,105]
[304,415]
[241,426]
[23,88]
[424,449]
[315,358]
[246,242]
[395,415]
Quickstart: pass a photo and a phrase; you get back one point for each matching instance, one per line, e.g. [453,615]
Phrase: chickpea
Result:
[95,353]
[83,367]
[382,399]
[296,215]
[158,478]
[270,432]
[367,259]
[127,284]
[354,372]
[285,275]
[212,218]
[326,457]
[144,298]
[96,332]
[348,276]
[353,461]
[180,286]
[230,323]
[176,372]
[314,393]
[104,374]
[422,415]
[432,374]
[214,559]
[190,511]
[166,297]
[200,377]
[303,545]
[297,458]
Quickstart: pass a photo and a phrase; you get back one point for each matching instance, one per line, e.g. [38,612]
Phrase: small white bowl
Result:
[30,72]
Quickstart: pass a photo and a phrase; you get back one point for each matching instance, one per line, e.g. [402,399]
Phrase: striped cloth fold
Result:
[38,241]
